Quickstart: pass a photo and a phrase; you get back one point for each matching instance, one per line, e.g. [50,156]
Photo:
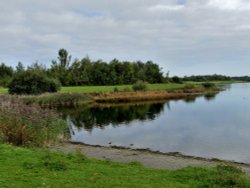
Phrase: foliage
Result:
[5,74]
[125,88]
[21,124]
[21,167]
[57,99]
[31,82]
[140,86]
[189,86]
[176,80]
[88,72]
[208,85]
[207,78]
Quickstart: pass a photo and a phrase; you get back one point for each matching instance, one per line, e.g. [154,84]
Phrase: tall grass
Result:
[58,99]
[21,124]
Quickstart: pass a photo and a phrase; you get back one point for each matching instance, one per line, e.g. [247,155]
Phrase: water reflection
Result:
[210,96]
[213,126]
[101,116]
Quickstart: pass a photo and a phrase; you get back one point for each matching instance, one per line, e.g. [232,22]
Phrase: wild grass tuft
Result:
[22,124]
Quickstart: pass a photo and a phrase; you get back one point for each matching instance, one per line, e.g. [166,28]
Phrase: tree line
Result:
[214,77]
[89,72]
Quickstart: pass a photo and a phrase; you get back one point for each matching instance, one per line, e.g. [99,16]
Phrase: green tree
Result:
[30,82]
[20,67]
[6,73]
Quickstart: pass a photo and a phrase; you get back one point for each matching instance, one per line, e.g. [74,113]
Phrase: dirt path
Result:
[170,161]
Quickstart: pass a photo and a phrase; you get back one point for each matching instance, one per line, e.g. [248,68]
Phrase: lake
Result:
[212,126]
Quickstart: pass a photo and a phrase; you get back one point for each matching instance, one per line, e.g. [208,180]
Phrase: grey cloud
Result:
[183,36]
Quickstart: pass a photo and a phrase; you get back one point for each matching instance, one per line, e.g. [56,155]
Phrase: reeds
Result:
[22,124]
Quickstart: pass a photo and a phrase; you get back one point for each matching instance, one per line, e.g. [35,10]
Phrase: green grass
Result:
[97,89]
[22,167]
[3,90]
[93,89]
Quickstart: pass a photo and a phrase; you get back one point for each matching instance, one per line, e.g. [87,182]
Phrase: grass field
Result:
[22,167]
[94,89]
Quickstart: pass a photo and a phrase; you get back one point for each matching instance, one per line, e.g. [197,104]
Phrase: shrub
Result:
[127,89]
[177,80]
[30,82]
[189,86]
[140,86]
[208,85]
[116,89]
[21,124]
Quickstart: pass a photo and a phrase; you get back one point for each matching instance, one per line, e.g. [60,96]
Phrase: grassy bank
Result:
[97,89]
[22,167]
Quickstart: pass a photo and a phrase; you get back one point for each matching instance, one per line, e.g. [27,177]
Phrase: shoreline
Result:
[69,99]
[147,157]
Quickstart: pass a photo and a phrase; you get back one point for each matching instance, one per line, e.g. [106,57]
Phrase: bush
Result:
[208,85]
[177,80]
[30,82]
[21,124]
[116,89]
[127,89]
[189,86]
[140,86]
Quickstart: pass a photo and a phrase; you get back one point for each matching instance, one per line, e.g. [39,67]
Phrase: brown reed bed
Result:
[152,95]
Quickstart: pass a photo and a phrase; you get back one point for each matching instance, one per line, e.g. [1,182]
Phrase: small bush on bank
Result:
[21,124]
[208,85]
[177,80]
[116,89]
[140,86]
[189,86]
[29,83]
[127,89]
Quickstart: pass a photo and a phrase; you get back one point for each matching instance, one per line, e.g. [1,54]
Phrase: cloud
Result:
[161,7]
[230,4]
[183,36]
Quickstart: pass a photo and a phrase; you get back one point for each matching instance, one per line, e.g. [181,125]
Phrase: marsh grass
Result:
[28,125]
[58,99]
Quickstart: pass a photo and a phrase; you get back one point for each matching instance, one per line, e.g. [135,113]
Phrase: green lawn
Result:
[3,90]
[92,89]
[22,167]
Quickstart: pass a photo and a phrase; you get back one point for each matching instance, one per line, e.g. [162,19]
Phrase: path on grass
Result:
[171,161]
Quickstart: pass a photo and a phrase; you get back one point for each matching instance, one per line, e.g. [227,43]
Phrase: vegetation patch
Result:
[30,82]
[27,125]
[208,85]
[22,167]
[140,86]
[57,99]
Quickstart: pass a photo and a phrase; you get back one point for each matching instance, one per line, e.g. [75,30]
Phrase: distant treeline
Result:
[214,77]
[88,72]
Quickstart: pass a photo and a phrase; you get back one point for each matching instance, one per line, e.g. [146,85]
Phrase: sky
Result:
[185,37]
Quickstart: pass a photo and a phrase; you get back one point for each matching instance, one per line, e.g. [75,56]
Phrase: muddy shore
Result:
[170,161]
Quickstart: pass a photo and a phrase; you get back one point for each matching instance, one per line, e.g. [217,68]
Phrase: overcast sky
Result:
[183,36]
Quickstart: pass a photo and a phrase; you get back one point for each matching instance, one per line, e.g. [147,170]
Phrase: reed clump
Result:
[28,125]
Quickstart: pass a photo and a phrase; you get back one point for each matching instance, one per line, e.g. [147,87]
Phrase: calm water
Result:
[211,126]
